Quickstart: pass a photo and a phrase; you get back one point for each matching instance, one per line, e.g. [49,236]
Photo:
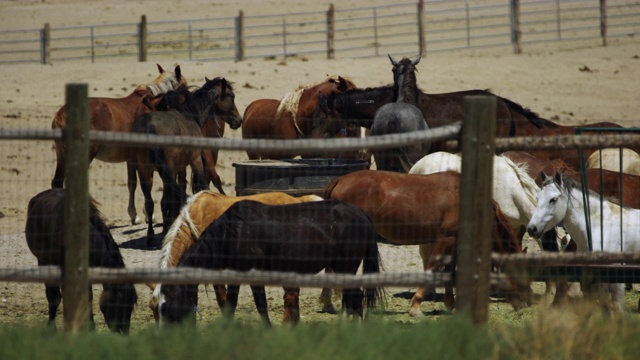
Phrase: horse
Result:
[290,118]
[186,119]
[410,209]
[44,232]
[561,200]
[610,159]
[304,238]
[116,114]
[201,210]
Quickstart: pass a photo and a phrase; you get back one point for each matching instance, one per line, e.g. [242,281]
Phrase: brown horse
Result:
[409,209]
[304,238]
[290,118]
[200,211]
[44,231]
[187,116]
[511,119]
[116,114]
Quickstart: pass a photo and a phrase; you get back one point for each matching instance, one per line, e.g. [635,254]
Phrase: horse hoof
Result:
[136,220]
[329,309]
[416,313]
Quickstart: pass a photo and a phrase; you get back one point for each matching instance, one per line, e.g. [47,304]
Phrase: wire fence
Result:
[426,26]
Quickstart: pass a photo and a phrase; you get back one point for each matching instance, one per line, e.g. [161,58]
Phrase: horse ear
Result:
[206,79]
[160,68]
[342,84]
[393,61]
[557,178]
[416,60]
[178,72]
[543,175]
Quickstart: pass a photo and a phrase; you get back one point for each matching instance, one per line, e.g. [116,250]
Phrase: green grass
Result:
[575,333]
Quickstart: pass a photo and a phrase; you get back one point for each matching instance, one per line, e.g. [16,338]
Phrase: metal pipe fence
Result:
[428,26]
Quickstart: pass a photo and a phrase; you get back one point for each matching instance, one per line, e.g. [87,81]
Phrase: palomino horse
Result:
[561,200]
[201,210]
[303,238]
[44,232]
[409,209]
[214,98]
[610,159]
[290,118]
[511,118]
[116,114]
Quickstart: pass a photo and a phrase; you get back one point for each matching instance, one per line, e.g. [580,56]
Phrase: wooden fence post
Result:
[75,273]
[476,220]
[45,44]
[603,22]
[142,39]
[422,42]
[240,36]
[516,33]
[331,31]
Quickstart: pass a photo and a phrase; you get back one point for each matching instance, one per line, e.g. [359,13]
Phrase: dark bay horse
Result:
[117,114]
[512,119]
[303,238]
[201,210]
[290,118]
[45,238]
[186,117]
[409,209]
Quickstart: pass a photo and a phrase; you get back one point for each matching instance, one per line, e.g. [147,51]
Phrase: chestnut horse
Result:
[44,231]
[290,118]
[304,238]
[409,209]
[201,210]
[116,114]
[192,112]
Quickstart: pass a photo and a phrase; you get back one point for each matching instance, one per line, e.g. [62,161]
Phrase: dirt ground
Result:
[569,83]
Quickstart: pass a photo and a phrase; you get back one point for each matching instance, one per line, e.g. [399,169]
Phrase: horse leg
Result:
[232,300]
[424,291]
[92,323]
[145,186]
[210,171]
[352,302]
[291,305]
[325,297]
[260,299]
[54,298]
[221,295]
[132,182]
[617,298]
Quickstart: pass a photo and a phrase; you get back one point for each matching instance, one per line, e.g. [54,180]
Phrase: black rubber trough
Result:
[292,176]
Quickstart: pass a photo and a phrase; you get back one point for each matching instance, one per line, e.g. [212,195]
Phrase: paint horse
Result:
[201,210]
[44,231]
[409,209]
[561,200]
[188,118]
[304,238]
[290,118]
[116,114]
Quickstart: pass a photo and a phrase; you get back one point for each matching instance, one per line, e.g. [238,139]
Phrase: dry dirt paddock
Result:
[550,79]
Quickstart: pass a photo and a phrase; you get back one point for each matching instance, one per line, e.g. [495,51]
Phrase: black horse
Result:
[188,113]
[44,233]
[304,238]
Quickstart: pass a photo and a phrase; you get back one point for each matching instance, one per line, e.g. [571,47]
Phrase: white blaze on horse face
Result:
[550,210]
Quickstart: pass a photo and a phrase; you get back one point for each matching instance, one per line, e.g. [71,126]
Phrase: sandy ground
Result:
[551,79]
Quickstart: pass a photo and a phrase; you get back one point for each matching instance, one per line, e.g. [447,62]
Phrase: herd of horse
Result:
[412,198]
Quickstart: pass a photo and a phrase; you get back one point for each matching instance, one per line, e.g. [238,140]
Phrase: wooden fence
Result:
[407,28]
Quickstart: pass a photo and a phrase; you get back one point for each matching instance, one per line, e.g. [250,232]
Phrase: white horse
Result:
[610,159]
[561,200]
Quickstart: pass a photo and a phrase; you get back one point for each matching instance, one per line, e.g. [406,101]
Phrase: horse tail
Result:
[372,263]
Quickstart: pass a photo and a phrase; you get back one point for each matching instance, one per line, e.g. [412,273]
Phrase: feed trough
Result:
[292,176]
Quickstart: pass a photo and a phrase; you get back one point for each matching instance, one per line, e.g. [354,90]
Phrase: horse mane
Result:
[529,185]
[532,116]
[291,100]
[164,83]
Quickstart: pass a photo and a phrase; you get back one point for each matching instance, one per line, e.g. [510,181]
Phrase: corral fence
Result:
[424,27]
[472,276]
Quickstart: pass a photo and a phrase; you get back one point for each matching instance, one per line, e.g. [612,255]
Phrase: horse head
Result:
[224,101]
[178,303]
[404,78]
[166,81]
[326,121]
[552,205]
[117,303]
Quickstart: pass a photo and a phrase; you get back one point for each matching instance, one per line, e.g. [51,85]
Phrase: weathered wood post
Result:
[476,220]
[45,44]
[240,36]
[75,273]
[603,22]
[142,39]
[331,31]
[516,33]
[422,42]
